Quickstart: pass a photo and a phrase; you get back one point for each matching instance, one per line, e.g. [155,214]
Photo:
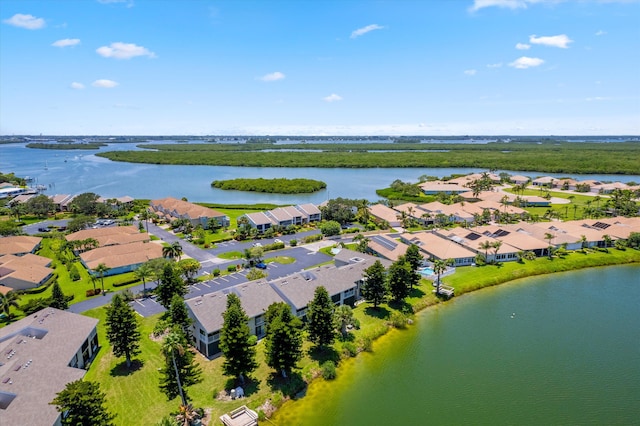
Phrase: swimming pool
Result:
[426,271]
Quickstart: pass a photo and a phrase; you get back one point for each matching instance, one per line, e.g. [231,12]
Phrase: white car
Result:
[277,240]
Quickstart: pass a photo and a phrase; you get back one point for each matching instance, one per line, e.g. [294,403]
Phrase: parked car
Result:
[277,240]
[257,244]
[261,265]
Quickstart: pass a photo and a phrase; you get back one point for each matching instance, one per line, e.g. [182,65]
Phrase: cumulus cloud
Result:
[600,32]
[470,72]
[274,76]
[364,30]
[561,41]
[29,22]
[121,50]
[77,86]
[523,46]
[104,84]
[65,42]
[332,98]
[526,62]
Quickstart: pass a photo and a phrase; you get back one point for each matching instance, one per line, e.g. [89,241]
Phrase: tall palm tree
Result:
[485,245]
[101,269]
[439,267]
[7,301]
[172,344]
[496,247]
[548,236]
[144,272]
[145,215]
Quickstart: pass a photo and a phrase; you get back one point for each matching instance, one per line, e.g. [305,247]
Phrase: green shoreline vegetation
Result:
[273,186]
[548,156]
[122,386]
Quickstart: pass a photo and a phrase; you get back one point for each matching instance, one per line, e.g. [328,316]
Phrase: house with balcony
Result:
[171,209]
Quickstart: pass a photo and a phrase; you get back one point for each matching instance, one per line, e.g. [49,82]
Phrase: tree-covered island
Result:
[273,186]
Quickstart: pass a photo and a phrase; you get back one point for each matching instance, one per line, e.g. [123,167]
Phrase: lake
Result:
[76,171]
[558,349]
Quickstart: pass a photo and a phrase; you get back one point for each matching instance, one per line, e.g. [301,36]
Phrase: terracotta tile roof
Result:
[121,255]
[18,244]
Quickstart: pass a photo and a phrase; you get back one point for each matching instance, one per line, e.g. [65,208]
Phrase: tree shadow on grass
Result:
[416,292]
[292,386]
[250,385]
[122,370]
[380,312]
[321,355]
[401,306]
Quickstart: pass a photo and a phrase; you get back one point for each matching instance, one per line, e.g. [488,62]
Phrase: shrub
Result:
[398,320]
[92,292]
[216,272]
[34,305]
[312,238]
[125,282]
[328,370]
[293,242]
[127,295]
[366,343]
[231,268]
[349,349]
[73,273]
[253,340]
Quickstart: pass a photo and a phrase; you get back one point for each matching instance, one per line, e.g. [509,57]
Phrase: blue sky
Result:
[325,67]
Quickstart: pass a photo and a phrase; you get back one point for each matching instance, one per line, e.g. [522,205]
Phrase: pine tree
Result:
[179,369]
[58,299]
[414,257]
[84,404]
[375,289]
[122,329]
[171,283]
[283,343]
[400,277]
[179,315]
[240,355]
[320,318]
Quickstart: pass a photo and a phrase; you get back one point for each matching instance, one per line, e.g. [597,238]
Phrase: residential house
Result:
[40,355]
[387,247]
[519,179]
[508,234]
[109,236]
[62,201]
[284,216]
[437,247]
[474,240]
[387,214]
[546,181]
[436,187]
[24,272]
[121,258]
[19,245]
[171,208]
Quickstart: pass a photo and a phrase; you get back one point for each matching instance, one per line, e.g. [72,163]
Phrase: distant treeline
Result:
[275,186]
[40,145]
[544,156]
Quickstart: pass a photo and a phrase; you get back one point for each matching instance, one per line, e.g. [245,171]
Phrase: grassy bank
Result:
[137,400]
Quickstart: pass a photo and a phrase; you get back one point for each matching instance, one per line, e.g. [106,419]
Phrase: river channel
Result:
[76,171]
[558,349]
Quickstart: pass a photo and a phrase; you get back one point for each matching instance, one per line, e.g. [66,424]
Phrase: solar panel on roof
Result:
[601,225]
[472,236]
[387,244]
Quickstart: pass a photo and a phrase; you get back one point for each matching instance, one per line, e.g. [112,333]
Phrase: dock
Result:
[446,291]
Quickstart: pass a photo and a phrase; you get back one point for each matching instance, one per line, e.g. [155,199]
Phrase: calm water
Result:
[84,172]
[570,355]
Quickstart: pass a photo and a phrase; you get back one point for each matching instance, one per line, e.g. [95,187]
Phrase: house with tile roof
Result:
[24,272]
[19,244]
[121,258]
[436,247]
[171,208]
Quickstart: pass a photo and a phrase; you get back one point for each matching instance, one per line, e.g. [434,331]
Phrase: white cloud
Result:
[510,4]
[561,41]
[523,46]
[470,72]
[332,98]
[364,30]
[274,76]
[496,65]
[526,62]
[600,32]
[66,42]
[105,84]
[121,50]
[29,22]
[77,86]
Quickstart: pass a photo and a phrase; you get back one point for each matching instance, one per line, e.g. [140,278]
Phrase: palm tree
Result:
[485,245]
[144,272]
[187,415]
[101,269]
[7,301]
[145,215]
[173,251]
[548,236]
[607,240]
[440,266]
[172,344]
[496,247]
